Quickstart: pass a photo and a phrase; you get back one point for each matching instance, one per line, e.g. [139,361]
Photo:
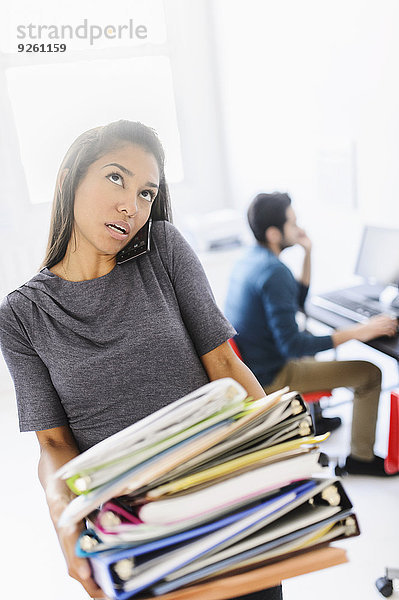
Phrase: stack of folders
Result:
[212,483]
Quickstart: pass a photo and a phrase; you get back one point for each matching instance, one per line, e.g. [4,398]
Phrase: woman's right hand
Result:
[78,568]
[57,447]
[376,327]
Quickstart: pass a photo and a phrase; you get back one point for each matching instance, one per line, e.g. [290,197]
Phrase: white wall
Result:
[298,96]
[23,227]
[310,100]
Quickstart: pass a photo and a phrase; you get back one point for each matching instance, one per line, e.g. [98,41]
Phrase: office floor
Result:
[376,505]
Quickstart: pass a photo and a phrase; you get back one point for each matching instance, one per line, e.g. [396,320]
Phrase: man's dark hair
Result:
[267,210]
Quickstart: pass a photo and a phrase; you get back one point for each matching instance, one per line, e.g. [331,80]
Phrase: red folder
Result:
[392,460]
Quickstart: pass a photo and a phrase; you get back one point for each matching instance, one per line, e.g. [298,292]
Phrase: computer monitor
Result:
[378,259]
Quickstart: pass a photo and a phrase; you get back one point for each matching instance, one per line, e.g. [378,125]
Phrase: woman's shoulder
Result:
[166,237]
[16,299]
[166,233]
[164,230]
[9,305]
[5,308]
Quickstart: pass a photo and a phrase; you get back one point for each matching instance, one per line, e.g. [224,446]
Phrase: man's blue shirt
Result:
[262,301]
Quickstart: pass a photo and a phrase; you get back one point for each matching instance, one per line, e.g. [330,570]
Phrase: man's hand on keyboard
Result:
[376,327]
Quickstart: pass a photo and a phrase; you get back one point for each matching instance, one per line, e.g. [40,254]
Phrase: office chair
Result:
[234,346]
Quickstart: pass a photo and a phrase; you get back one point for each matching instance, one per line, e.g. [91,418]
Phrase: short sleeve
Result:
[39,406]
[205,322]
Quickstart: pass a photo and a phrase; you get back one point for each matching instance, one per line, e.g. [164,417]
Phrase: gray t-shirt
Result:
[101,354]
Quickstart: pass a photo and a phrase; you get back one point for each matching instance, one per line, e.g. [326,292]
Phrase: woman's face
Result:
[113,201]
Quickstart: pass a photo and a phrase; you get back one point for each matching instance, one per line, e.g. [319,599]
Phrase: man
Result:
[262,302]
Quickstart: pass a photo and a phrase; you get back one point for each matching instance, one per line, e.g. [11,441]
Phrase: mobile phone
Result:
[139,245]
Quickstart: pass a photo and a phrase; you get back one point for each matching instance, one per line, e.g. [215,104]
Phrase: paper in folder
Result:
[213,482]
[128,462]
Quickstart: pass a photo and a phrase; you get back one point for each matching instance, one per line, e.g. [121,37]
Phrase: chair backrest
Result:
[311,397]
[392,460]
[235,347]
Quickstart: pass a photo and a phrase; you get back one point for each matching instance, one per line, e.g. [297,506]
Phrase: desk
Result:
[389,346]
[222,588]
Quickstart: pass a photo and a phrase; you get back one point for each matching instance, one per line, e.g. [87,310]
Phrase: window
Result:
[54,103]
[55,97]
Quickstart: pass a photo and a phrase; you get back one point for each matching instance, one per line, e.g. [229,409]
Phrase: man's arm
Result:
[363,332]
[375,327]
[279,299]
[306,244]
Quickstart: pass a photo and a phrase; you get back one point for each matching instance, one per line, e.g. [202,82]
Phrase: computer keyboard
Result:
[363,308]
[356,310]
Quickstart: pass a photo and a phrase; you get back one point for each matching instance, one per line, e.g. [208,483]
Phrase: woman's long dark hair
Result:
[85,150]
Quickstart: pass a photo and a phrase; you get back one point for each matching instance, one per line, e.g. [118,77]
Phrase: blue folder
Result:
[168,586]
[183,536]
[102,563]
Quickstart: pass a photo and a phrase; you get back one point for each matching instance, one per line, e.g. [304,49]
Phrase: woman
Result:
[95,342]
